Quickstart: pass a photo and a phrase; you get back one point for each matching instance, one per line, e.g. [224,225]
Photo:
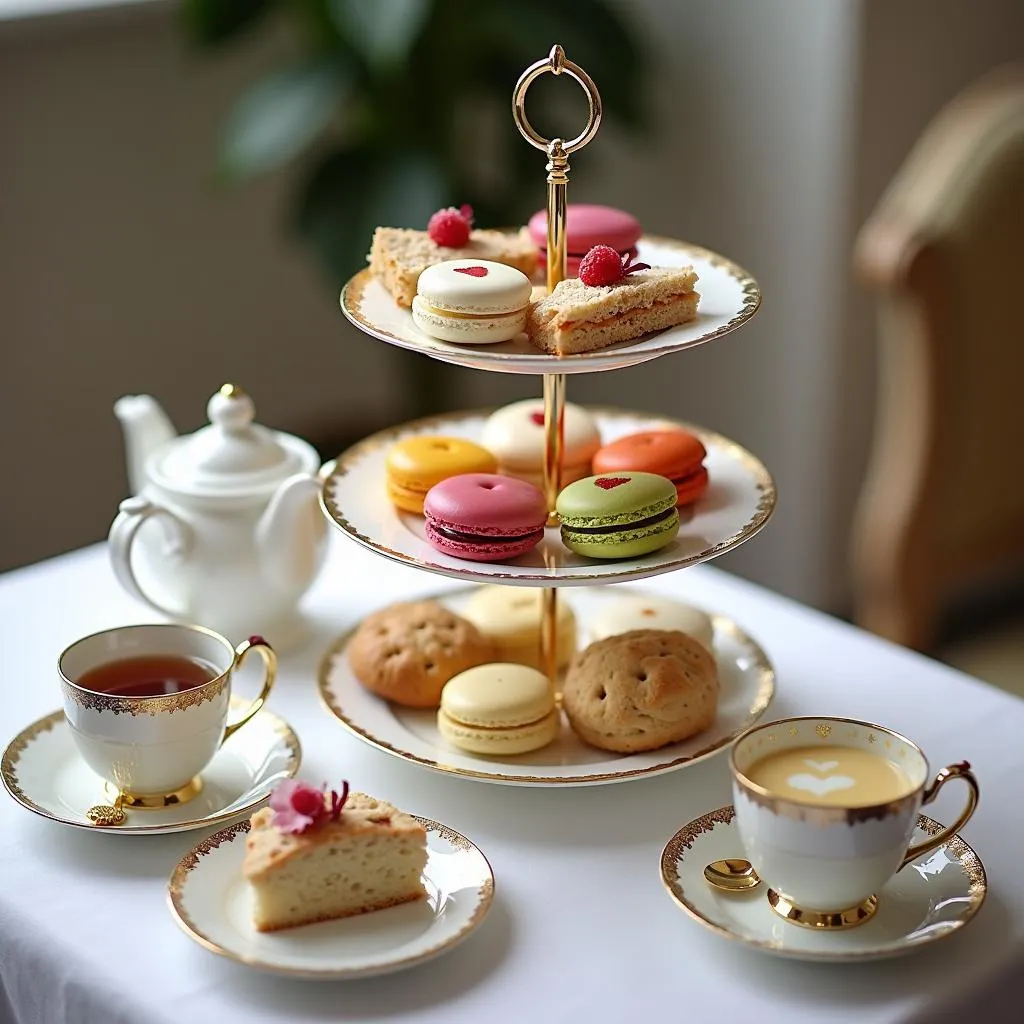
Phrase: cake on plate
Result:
[316,856]
[399,255]
[579,317]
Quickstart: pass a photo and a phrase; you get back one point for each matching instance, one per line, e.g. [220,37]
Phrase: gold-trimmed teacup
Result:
[824,862]
[153,749]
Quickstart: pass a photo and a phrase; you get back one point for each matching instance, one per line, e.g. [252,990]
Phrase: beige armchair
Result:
[942,507]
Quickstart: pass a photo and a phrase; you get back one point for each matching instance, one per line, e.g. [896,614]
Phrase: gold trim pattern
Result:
[188,863]
[345,462]
[16,748]
[762,698]
[825,814]
[152,706]
[682,842]
[352,295]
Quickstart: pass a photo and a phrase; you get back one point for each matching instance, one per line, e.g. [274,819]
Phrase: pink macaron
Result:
[484,517]
[586,226]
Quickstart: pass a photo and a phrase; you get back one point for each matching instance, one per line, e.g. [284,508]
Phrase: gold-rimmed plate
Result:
[43,771]
[729,297]
[747,687]
[930,899]
[211,901]
[738,502]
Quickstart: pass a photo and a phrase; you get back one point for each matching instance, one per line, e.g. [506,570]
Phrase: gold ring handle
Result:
[557,64]
[242,651]
[953,771]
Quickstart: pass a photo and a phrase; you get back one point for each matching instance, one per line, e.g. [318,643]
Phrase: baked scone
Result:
[399,255]
[577,317]
[408,651]
[641,690]
[369,857]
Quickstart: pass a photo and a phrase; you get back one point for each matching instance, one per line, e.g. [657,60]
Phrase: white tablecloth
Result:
[581,929]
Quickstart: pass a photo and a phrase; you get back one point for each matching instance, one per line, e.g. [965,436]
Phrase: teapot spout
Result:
[291,534]
[146,427]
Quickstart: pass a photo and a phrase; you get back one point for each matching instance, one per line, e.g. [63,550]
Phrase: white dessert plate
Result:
[747,686]
[44,772]
[737,503]
[928,900]
[211,901]
[729,297]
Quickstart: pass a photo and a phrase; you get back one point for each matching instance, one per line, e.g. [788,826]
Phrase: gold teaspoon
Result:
[732,875]
[106,815]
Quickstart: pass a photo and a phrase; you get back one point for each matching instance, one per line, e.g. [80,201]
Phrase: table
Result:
[581,929]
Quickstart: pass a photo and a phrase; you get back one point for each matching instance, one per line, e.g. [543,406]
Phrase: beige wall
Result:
[122,269]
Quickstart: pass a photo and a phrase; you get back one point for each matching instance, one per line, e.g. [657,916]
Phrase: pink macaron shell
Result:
[486,505]
[588,225]
[499,550]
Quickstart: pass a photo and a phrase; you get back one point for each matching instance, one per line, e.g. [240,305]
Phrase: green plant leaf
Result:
[353,191]
[209,22]
[383,30]
[281,115]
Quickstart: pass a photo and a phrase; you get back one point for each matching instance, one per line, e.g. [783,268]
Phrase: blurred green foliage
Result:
[391,109]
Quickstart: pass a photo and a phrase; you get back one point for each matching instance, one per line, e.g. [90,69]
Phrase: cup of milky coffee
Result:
[826,808]
[148,705]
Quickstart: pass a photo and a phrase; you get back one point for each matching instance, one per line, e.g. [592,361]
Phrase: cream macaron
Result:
[498,709]
[510,617]
[644,611]
[515,435]
[471,302]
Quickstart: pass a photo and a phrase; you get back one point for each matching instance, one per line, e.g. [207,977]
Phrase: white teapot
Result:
[243,536]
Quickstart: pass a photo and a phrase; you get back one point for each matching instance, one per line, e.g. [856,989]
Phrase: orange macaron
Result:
[676,454]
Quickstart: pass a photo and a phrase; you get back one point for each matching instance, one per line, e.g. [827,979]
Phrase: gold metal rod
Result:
[549,636]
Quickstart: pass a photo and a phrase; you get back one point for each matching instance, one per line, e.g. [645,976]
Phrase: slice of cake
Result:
[578,317]
[356,855]
[399,255]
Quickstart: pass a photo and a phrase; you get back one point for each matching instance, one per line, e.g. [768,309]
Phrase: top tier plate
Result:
[729,298]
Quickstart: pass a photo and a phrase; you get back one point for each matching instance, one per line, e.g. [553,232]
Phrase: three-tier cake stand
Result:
[736,506]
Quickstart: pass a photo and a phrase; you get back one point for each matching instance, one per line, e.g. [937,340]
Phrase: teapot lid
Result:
[232,454]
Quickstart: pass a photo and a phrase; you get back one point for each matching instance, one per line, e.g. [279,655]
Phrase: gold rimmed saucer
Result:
[210,900]
[928,900]
[43,771]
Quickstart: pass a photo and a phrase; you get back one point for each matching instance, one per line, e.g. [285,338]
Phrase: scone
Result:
[366,856]
[511,618]
[399,255]
[408,651]
[647,611]
[641,690]
[577,317]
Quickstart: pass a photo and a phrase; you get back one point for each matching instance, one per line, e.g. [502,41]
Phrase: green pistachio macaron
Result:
[618,515]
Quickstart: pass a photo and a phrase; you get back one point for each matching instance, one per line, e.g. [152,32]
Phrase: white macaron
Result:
[471,302]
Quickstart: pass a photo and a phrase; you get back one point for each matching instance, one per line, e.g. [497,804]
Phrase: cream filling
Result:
[438,311]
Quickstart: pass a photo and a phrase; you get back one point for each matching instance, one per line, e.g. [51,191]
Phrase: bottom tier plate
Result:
[747,687]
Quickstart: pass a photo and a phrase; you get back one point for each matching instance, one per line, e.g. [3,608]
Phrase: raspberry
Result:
[602,265]
[450,227]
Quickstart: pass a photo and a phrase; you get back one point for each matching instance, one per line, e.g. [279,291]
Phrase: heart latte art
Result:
[831,775]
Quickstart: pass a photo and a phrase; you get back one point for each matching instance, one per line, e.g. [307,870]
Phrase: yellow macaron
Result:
[511,618]
[498,709]
[414,465]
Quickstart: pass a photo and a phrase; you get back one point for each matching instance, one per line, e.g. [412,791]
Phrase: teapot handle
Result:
[133,512]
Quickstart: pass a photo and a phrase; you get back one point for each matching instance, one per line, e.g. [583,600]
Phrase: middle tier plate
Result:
[738,502]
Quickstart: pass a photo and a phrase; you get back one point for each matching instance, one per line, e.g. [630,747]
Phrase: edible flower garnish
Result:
[298,806]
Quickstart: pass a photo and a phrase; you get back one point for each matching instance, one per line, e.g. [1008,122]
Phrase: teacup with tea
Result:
[826,809]
[147,706]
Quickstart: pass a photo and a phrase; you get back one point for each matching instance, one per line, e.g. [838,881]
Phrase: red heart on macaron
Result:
[472,271]
[538,418]
[606,483]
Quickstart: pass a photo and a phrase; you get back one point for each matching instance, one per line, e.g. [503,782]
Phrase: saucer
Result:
[211,901]
[44,772]
[928,900]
